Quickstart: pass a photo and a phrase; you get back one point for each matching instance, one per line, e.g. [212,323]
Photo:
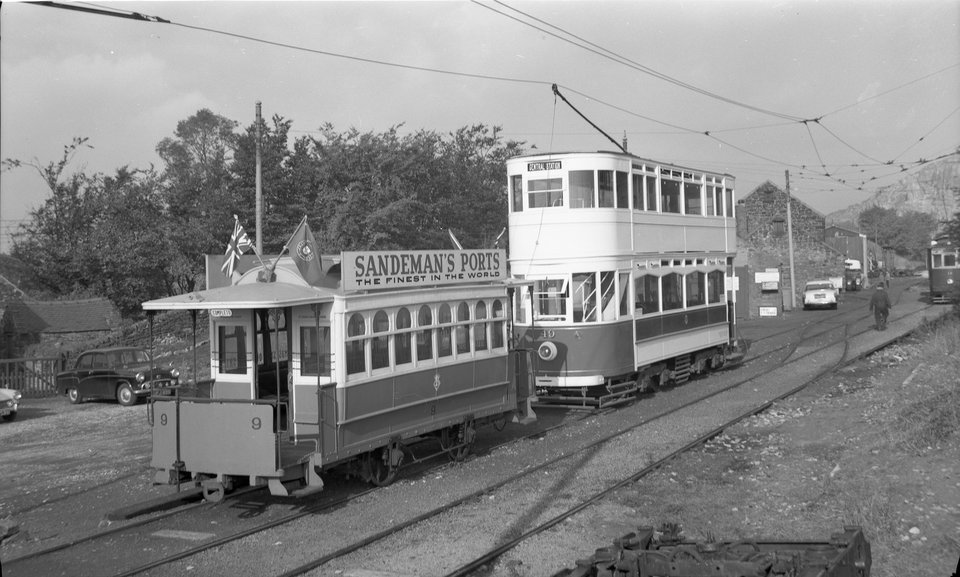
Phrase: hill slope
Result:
[934,189]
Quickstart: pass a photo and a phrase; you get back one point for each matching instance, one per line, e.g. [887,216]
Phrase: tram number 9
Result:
[433,409]
[256,423]
[547,334]
[163,420]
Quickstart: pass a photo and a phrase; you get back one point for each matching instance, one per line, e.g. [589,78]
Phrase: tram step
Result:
[681,370]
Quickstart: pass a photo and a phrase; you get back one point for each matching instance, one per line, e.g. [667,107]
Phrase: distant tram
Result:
[630,262]
[408,346]
[943,266]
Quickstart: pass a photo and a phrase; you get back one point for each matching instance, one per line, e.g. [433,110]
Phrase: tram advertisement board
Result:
[413,268]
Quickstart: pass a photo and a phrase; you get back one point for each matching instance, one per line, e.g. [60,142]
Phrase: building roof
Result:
[77,316]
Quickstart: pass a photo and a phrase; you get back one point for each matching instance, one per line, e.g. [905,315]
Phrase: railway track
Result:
[24,565]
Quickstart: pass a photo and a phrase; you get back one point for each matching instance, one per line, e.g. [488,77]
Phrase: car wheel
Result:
[74,395]
[125,395]
[10,416]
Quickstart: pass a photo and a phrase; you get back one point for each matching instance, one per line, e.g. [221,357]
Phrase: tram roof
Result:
[244,296]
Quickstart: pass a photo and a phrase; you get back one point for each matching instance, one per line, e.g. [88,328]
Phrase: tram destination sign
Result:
[544,165]
[414,268]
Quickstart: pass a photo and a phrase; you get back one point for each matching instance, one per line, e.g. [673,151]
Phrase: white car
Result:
[819,294]
[9,404]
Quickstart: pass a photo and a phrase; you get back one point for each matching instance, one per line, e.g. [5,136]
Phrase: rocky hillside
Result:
[933,189]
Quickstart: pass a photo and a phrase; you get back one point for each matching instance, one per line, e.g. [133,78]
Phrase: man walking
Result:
[880,305]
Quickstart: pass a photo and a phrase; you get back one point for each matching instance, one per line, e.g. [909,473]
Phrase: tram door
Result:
[273,360]
[313,391]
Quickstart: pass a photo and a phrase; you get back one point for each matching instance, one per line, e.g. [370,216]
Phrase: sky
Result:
[848,96]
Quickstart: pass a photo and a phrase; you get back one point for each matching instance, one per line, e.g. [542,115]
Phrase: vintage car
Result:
[820,294]
[9,404]
[121,373]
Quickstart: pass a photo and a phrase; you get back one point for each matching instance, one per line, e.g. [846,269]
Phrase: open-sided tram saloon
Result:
[305,378]
[943,267]
[630,262]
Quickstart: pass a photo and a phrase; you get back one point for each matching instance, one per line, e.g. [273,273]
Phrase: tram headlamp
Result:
[547,351]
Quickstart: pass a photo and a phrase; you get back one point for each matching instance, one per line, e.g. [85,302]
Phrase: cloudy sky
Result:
[843,94]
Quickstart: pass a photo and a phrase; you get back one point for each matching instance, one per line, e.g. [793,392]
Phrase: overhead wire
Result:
[591,47]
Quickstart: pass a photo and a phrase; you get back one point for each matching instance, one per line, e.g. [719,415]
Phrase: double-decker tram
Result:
[400,347]
[630,262]
[943,267]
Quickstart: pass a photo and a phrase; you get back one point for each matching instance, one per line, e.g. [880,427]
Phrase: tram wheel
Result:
[456,440]
[379,469]
[213,492]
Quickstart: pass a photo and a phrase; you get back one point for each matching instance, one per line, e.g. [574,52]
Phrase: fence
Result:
[32,377]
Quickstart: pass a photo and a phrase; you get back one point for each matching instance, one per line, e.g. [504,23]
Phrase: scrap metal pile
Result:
[664,553]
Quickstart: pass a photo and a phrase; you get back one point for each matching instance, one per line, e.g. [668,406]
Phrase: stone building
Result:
[764,246]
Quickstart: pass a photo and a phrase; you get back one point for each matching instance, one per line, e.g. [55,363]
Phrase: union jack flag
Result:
[239,244]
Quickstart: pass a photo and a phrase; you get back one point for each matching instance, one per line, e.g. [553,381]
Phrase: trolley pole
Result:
[793,280]
[259,201]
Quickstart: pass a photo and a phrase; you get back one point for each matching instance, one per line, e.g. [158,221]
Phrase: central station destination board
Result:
[413,268]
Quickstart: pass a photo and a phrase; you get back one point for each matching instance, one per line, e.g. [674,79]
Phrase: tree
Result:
[55,239]
[908,234]
[281,211]
[197,195]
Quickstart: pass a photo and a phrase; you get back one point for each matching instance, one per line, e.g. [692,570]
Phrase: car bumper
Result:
[8,408]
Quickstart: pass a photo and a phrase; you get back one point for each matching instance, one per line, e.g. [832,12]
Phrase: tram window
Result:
[647,298]
[937,260]
[672,292]
[608,290]
[637,181]
[463,329]
[425,336]
[551,298]
[624,294]
[356,358]
[651,182]
[710,207]
[496,331]
[315,351]
[584,297]
[605,188]
[401,341]
[444,339]
[728,194]
[379,345]
[623,191]
[691,198]
[715,290]
[670,196]
[545,192]
[696,289]
[717,201]
[480,328]
[581,189]
[516,192]
[232,356]
[949,260]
